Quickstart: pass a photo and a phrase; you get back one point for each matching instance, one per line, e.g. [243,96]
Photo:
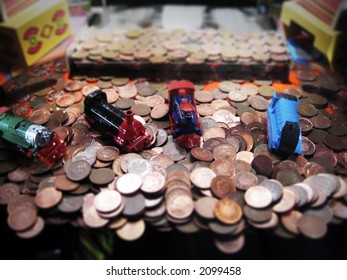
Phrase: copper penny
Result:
[134,205]
[202,177]
[257,215]
[204,206]
[78,170]
[334,142]
[18,175]
[65,100]
[40,116]
[127,91]
[243,180]
[8,191]
[73,85]
[62,183]
[34,230]
[311,226]
[224,151]
[48,198]
[262,165]
[131,231]
[107,153]
[258,197]
[90,215]
[19,201]
[227,211]
[275,187]
[154,100]
[230,246]
[179,204]
[129,183]
[203,96]
[107,200]
[201,154]
[305,125]
[286,203]
[22,218]
[223,167]
[222,186]
[160,111]
[308,147]
[213,132]
[70,203]
[101,176]
[321,122]
[153,183]
[290,221]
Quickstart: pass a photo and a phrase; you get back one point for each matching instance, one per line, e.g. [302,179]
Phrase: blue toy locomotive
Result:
[283,125]
[185,126]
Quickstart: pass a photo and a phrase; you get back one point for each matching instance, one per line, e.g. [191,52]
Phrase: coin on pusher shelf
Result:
[131,230]
[153,183]
[230,246]
[48,198]
[227,86]
[40,116]
[34,230]
[204,206]
[213,132]
[222,186]
[22,218]
[107,153]
[179,203]
[127,91]
[70,203]
[286,203]
[227,211]
[160,111]
[139,166]
[311,226]
[266,91]
[62,183]
[129,183]
[90,215]
[290,221]
[65,100]
[78,170]
[202,177]
[107,200]
[73,85]
[141,109]
[244,180]
[201,154]
[8,191]
[258,197]
[101,176]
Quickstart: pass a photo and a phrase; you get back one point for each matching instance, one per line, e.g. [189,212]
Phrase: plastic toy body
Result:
[283,125]
[128,133]
[185,125]
[34,139]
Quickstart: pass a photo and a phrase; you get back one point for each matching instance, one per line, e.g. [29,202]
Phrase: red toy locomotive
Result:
[128,133]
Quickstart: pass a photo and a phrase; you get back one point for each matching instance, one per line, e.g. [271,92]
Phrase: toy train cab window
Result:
[283,125]
[185,125]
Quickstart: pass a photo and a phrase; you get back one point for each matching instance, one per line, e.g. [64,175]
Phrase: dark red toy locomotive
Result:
[185,125]
[128,133]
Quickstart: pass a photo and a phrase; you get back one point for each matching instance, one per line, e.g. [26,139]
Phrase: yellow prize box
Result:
[29,35]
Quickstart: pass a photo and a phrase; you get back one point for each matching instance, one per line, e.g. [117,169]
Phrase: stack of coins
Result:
[151,48]
[229,183]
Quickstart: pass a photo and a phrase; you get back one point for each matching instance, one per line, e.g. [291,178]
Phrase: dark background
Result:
[61,242]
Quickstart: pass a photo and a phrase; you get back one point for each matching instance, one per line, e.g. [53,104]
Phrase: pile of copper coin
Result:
[231,183]
[177,45]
